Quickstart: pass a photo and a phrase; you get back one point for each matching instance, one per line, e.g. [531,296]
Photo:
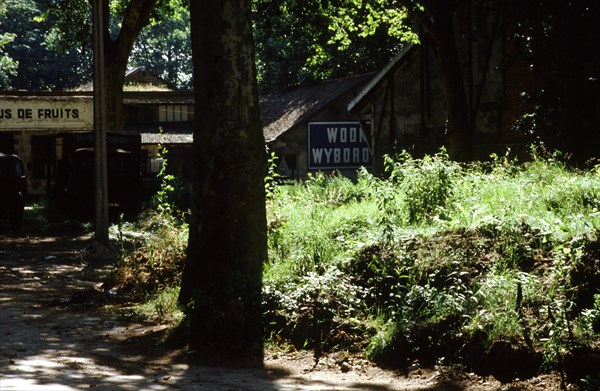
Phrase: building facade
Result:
[307,126]
[310,130]
[32,122]
[406,102]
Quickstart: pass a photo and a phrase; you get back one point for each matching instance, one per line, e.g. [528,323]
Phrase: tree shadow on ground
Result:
[56,334]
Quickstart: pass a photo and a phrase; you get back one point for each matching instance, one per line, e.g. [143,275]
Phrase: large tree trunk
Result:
[222,277]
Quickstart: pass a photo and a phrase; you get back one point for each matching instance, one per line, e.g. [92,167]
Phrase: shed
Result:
[287,116]
[406,100]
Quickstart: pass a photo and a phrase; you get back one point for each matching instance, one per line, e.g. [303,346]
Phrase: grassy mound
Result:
[441,263]
[494,267]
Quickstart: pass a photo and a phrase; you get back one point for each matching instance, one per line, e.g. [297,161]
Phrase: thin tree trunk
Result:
[437,20]
[222,277]
[458,127]
[115,76]
[117,51]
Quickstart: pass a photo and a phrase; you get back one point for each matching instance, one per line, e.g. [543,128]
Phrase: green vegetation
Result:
[152,263]
[491,266]
[440,263]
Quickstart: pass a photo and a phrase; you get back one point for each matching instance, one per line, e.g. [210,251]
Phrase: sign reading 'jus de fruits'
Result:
[45,113]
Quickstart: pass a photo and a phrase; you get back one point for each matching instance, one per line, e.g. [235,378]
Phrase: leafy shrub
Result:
[174,194]
[315,311]
[335,189]
[428,184]
[157,262]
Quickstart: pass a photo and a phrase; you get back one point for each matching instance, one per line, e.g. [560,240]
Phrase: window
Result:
[140,114]
[7,144]
[154,165]
[173,113]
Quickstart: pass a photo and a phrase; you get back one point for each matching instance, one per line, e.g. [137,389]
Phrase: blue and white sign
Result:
[337,145]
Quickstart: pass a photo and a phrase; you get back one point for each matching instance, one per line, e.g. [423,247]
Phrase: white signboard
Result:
[73,113]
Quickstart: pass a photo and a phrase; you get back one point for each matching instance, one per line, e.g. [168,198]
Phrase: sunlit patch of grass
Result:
[435,246]
[312,225]
[40,217]
[161,307]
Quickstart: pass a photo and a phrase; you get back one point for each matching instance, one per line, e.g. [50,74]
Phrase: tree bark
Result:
[458,127]
[222,277]
[437,18]
[109,77]
[117,52]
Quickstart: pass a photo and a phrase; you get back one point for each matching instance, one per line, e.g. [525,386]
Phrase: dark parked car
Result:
[76,197]
[72,186]
[13,189]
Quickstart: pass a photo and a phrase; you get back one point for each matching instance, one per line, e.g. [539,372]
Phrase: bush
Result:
[428,184]
[439,262]
[155,263]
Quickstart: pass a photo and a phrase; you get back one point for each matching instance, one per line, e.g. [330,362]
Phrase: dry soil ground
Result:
[51,338]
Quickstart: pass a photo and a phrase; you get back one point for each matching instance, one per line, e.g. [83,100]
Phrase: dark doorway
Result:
[7,143]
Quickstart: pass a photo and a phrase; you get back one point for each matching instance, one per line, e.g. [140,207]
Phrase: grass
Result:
[434,261]
[486,252]
[161,307]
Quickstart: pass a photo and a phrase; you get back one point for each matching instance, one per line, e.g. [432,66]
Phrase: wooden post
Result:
[101,181]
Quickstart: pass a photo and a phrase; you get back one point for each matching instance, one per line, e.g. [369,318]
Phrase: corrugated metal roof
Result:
[167,138]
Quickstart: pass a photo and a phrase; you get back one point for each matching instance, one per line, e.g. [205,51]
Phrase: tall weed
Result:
[155,261]
[428,184]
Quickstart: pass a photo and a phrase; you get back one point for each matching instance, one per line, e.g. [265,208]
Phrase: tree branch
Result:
[137,16]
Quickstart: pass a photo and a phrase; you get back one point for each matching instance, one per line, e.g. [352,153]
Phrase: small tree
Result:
[72,23]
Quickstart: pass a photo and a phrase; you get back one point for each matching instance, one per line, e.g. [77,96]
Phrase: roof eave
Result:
[358,101]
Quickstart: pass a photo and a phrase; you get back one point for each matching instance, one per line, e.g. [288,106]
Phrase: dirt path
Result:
[52,339]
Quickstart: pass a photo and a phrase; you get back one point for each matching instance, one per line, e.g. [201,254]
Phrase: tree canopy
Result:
[32,43]
[8,66]
[294,40]
[313,39]
[51,41]
[164,48]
